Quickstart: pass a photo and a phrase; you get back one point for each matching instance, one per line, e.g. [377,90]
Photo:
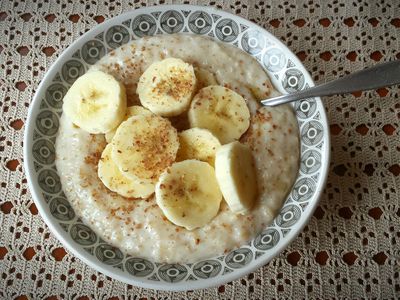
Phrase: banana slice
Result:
[220,110]
[96,102]
[197,143]
[188,194]
[166,87]
[113,179]
[236,175]
[204,78]
[144,146]
[131,111]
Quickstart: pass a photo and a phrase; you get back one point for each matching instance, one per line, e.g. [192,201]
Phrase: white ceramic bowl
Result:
[287,74]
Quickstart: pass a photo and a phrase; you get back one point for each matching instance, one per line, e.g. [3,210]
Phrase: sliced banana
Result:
[144,146]
[236,175]
[131,111]
[204,78]
[96,102]
[113,179]
[188,194]
[220,110]
[167,87]
[197,143]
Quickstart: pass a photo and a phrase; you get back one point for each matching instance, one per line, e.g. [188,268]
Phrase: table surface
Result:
[351,246]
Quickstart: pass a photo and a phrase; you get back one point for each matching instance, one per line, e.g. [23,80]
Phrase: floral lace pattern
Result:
[350,248]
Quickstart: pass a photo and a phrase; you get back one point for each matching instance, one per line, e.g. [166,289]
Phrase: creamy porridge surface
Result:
[139,227]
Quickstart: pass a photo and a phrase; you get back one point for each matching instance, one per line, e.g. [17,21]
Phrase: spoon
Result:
[378,76]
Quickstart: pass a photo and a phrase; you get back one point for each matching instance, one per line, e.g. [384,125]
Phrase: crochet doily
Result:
[351,246]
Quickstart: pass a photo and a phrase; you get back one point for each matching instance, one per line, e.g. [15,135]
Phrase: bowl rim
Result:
[137,281]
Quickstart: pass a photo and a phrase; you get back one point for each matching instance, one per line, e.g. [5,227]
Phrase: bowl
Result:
[287,75]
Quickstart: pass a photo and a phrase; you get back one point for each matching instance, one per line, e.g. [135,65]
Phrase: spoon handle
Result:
[378,76]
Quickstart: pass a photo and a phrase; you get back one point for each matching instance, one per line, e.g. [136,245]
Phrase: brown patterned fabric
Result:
[351,246]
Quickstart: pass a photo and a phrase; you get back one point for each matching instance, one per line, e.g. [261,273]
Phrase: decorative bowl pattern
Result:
[287,75]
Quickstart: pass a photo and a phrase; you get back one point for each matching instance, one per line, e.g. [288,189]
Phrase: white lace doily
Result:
[351,246]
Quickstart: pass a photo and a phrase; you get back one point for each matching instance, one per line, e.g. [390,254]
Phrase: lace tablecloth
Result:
[351,246]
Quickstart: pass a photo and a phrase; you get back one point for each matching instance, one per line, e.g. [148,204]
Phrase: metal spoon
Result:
[378,76]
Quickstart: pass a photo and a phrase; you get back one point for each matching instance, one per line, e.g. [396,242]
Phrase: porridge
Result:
[143,227]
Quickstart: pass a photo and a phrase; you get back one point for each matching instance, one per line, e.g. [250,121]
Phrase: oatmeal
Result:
[139,227]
